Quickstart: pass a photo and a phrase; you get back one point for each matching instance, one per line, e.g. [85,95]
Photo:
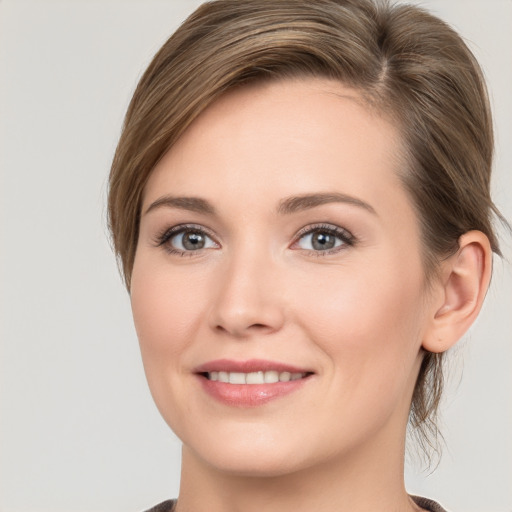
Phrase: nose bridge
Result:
[246,299]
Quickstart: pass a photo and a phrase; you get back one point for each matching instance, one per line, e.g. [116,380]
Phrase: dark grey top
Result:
[430,505]
[166,506]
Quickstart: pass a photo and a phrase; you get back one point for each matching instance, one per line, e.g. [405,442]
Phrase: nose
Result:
[247,300]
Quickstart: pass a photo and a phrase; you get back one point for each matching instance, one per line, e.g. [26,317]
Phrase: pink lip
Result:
[248,395]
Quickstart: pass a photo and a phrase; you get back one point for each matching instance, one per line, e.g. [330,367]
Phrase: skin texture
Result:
[357,317]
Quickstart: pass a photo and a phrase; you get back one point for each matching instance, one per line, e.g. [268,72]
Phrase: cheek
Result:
[368,322]
[166,309]
[368,329]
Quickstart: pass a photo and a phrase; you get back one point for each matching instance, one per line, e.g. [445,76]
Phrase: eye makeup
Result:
[191,239]
[328,233]
[198,238]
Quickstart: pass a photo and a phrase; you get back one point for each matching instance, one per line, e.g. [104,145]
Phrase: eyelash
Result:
[165,236]
[347,239]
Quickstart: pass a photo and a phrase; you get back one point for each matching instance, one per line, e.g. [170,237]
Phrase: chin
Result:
[251,453]
[266,464]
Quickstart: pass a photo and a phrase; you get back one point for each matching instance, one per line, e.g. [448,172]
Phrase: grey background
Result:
[78,429]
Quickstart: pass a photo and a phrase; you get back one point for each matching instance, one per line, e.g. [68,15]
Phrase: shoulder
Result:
[165,506]
[427,504]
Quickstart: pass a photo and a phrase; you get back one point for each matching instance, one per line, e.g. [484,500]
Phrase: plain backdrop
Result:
[78,429]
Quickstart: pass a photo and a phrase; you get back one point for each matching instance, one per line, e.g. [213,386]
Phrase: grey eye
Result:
[320,240]
[191,240]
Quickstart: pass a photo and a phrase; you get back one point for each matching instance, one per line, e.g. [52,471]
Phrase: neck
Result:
[369,478]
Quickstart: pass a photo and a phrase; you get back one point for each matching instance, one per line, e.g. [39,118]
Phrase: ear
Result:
[462,288]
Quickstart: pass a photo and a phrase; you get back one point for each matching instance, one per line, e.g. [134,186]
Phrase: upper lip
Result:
[248,366]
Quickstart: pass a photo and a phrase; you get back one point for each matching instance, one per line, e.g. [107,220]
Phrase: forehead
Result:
[294,134]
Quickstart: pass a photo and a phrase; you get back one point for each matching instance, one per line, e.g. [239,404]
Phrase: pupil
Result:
[323,241]
[193,241]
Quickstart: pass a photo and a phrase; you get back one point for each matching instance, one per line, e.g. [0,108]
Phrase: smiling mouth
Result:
[252,382]
[258,377]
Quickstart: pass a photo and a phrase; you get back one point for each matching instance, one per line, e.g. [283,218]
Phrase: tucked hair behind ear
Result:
[407,64]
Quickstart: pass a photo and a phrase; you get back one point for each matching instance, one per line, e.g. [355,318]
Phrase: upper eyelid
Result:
[192,227]
[200,227]
[163,236]
[342,233]
[322,225]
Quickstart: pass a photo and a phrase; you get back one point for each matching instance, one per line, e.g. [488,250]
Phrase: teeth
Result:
[269,377]
[236,378]
[255,378]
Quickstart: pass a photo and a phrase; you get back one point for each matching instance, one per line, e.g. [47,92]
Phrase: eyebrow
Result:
[304,202]
[192,204]
[286,206]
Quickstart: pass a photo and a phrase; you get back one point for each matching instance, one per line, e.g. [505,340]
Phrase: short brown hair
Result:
[405,62]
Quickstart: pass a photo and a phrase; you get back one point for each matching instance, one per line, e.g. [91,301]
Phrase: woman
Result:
[300,205]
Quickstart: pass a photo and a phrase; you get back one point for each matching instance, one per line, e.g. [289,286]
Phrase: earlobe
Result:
[465,279]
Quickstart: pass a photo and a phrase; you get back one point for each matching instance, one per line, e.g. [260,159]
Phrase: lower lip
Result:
[249,395]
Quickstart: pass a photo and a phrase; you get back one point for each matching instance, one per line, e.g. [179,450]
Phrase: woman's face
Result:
[277,243]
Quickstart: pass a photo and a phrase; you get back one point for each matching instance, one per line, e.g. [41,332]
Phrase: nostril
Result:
[245,331]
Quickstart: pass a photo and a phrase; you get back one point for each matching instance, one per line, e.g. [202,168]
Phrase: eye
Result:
[324,238]
[191,241]
[183,240]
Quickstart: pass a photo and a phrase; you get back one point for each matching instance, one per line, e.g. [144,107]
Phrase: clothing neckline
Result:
[425,503]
